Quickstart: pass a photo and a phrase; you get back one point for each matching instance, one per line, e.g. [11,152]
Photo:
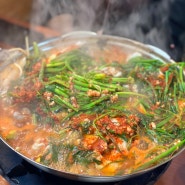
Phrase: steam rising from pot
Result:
[146,21]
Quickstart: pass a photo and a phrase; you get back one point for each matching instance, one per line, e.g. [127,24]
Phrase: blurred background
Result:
[157,22]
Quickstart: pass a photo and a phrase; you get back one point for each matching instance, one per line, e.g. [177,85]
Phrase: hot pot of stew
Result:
[92,108]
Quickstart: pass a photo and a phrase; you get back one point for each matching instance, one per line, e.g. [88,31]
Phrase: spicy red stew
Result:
[95,113]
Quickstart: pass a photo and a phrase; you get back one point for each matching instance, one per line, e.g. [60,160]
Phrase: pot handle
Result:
[78,34]
[10,56]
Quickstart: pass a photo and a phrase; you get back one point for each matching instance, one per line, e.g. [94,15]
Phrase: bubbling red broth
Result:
[99,112]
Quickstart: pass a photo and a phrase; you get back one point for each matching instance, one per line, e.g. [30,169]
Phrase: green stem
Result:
[80,88]
[130,94]
[55,64]
[123,80]
[41,73]
[36,50]
[161,156]
[60,82]
[162,123]
[101,84]
[60,101]
[94,103]
[57,90]
[54,69]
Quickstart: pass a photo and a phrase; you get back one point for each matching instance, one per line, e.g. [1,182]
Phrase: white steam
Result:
[142,20]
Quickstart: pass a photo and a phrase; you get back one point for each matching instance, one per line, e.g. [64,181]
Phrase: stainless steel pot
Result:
[9,58]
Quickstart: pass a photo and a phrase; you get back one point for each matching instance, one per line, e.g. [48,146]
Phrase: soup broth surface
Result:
[94,111]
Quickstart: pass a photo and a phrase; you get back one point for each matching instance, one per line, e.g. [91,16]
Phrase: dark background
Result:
[157,22]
